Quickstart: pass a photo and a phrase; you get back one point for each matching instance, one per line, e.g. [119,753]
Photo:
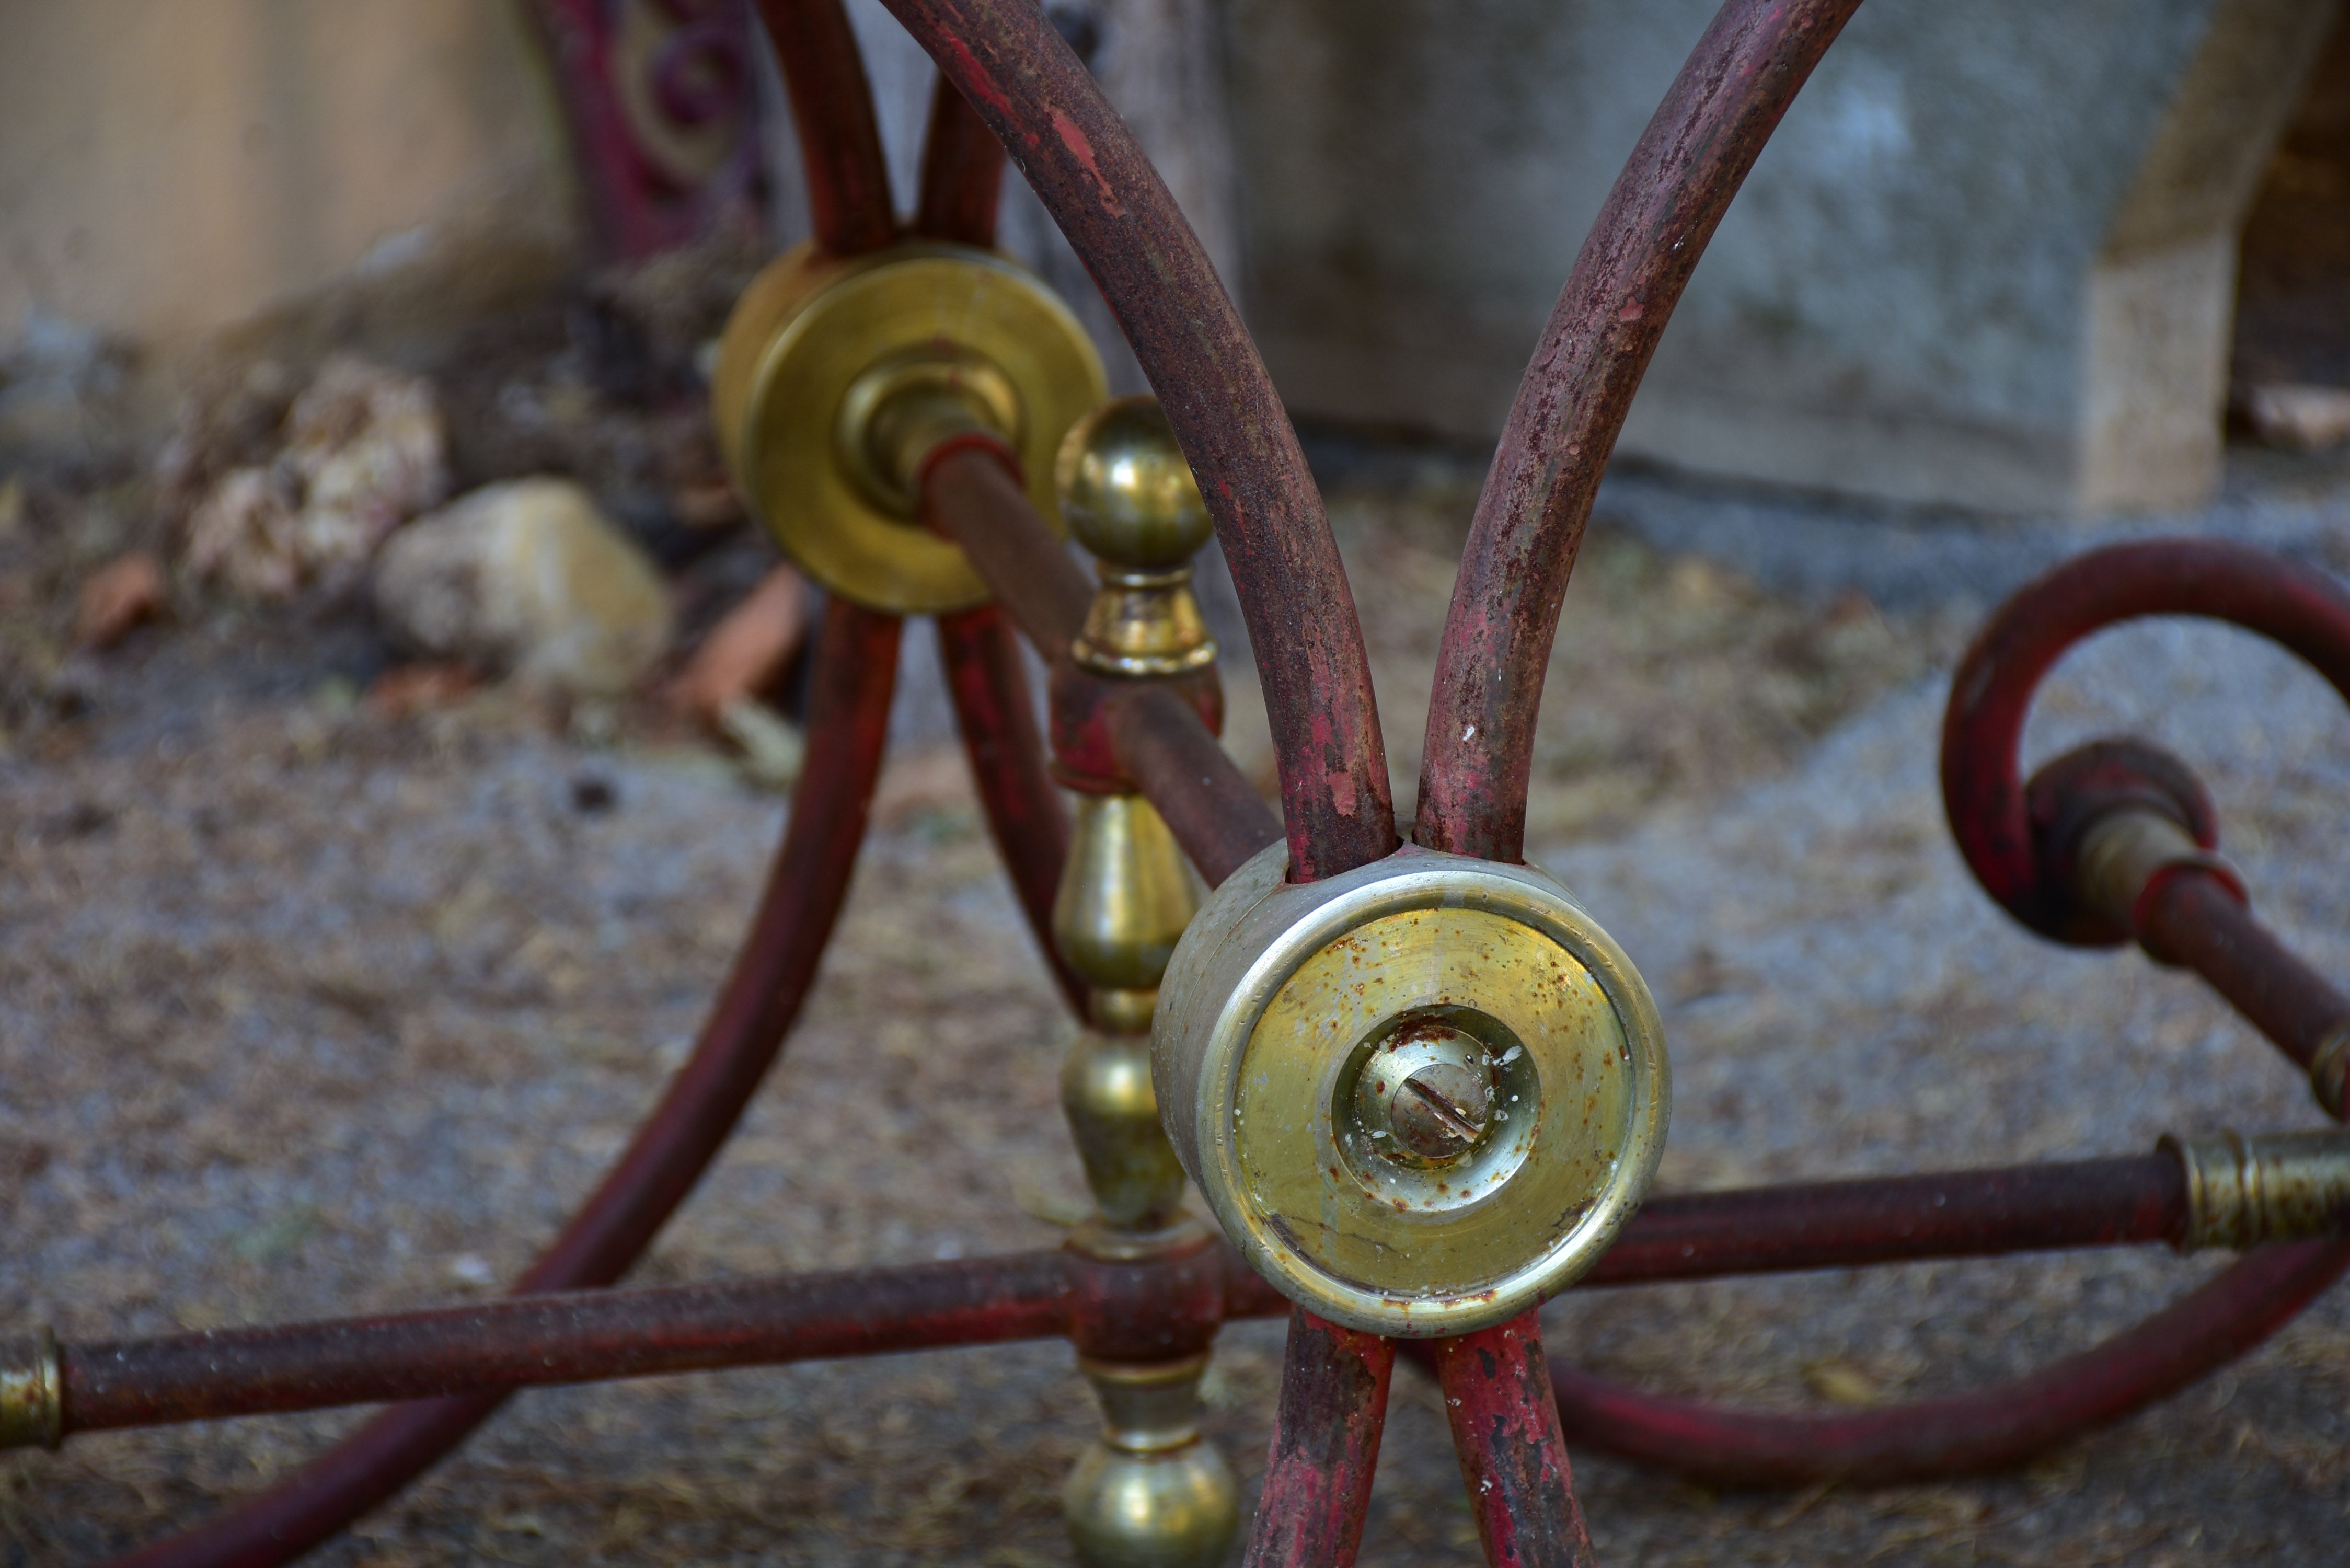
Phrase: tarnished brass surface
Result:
[1106,1089]
[894,413]
[1152,1493]
[836,376]
[32,1393]
[1128,497]
[1126,893]
[2276,1187]
[2121,852]
[2329,1074]
[1490,980]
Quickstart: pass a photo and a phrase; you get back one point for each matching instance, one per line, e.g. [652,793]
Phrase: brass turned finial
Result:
[1151,1492]
[1128,496]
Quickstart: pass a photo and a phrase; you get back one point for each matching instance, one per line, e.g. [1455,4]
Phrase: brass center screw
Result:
[1427,1094]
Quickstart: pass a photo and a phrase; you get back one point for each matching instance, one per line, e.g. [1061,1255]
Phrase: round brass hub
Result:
[1419,1096]
[829,373]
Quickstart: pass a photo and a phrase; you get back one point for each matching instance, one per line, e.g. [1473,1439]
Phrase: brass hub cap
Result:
[833,377]
[1419,1096]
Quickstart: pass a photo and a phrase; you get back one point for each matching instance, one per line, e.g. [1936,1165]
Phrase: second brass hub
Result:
[826,374]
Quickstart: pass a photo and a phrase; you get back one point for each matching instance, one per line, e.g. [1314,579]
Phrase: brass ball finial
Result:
[1126,490]
[1130,497]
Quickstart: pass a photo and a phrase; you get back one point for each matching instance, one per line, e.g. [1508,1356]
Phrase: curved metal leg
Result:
[1326,1446]
[856,665]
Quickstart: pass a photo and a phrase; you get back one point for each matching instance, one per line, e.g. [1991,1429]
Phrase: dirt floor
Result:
[308,1008]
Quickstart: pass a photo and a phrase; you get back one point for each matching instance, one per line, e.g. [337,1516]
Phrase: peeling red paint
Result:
[1073,137]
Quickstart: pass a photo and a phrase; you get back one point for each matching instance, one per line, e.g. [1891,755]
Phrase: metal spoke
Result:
[1326,1447]
[1689,163]
[1505,1428]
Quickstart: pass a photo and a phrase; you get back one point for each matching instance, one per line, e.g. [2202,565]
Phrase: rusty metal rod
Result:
[527,1342]
[1326,1446]
[1133,1308]
[1513,1465]
[2198,921]
[1160,740]
[973,500]
[2115,1202]
[1209,803]
[1084,165]
[1664,207]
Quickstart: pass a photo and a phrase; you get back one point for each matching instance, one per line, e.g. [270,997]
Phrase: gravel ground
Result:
[305,1010]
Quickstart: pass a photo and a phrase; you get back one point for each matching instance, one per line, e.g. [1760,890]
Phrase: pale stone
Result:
[364,450]
[2301,418]
[528,578]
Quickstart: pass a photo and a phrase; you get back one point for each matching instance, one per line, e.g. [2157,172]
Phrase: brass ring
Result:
[32,1393]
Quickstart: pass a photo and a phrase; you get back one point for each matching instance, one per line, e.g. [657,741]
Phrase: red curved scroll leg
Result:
[1326,1447]
[998,720]
[832,108]
[1990,1427]
[1512,1455]
[855,669]
[962,173]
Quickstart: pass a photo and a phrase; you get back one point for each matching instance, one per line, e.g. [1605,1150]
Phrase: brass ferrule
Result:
[1150,1406]
[1105,1243]
[2277,1187]
[1151,1492]
[1143,625]
[32,1393]
[899,412]
[2122,852]
[2328,1071]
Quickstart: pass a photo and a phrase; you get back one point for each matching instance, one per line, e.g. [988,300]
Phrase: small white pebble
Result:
[472,1269]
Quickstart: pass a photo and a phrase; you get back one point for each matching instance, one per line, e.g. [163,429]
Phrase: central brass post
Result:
[1152,1492]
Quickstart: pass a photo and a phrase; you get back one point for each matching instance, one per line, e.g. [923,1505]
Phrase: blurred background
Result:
[348,923]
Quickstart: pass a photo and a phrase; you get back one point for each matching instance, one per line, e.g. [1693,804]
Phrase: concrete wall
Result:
[169,168]
[1158,61]
[1987,260]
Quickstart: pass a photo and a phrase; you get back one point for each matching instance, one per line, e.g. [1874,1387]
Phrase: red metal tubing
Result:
[1991,694]
[997,714]
[1085,166]
[855,669]
[1513,1463]
[1117,1310]
[1326,1447]
[1213,811]
[1157,735]
[1537,498]
[1900,1219]
[1991,1428]
[832,108]
[2198,921]
[973,498]
[962,173]
[532,1341]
